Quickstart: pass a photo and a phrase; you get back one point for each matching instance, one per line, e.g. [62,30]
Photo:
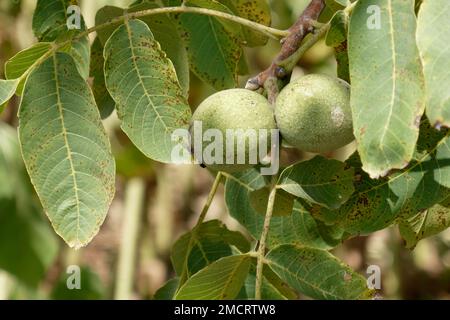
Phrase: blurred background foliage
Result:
[133,265]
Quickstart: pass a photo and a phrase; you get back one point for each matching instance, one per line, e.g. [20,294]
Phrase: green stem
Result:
[201,218]
[133,209]
[268,31]
[262,242]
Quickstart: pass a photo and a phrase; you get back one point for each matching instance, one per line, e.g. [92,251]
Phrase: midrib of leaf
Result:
[148,96]
[202,251]
[245,185]
[218,45]
[285,269]
[323,184]
[228,282]
[66,142]
[394,75]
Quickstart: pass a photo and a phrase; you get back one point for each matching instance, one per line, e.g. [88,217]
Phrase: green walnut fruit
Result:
[313,113]
[232,113]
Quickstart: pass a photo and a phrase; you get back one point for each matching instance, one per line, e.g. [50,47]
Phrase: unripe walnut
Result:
[313,113]
[235,109]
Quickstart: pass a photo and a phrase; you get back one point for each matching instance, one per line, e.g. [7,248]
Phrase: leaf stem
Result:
[268,31]
[262,242]
[201,218]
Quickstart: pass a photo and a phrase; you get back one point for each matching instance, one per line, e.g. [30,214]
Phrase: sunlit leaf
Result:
[22,61]
[213,47]
[163,29]
[387,96]
[222,280]
[433,36]
[7,89]
[144,85]
[66,150]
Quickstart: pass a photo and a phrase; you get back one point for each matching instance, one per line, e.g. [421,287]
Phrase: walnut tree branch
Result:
[299,30]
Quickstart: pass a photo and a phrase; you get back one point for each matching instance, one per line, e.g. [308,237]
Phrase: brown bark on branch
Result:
[302,27]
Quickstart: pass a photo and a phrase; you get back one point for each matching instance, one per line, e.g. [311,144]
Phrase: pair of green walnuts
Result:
[312,114]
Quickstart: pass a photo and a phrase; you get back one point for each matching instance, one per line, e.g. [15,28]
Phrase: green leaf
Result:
[103,99]
[213,47]
[164,30]
[237,197]
[336,4]
[254,10]
[316,273]
[433,34]
[22,61]
[144,85]
[387,84]
[50,19]
[299,227]
[268,292]
[80,50]
[168,290]
[21,223]
[341,54]
[338,29]
[425,224]
[273,288]
[66,150]
[7,89]
[337,38]
[222,280]
[378,204]
[326,182]
[284,202]
[205,244]
[104,15]
[50,24]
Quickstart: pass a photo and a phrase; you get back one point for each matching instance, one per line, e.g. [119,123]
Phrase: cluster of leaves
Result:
[396,66]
